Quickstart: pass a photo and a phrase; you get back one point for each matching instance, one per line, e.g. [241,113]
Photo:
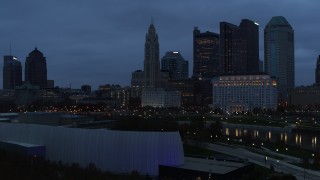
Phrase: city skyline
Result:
[92,43]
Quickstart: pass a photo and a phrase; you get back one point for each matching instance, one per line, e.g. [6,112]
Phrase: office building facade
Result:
[36,69]
[241,93]
[205,54]
[12,72]
[175,64]
[279,54]
[239,47]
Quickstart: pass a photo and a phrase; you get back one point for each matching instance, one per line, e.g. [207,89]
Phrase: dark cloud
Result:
[98,42]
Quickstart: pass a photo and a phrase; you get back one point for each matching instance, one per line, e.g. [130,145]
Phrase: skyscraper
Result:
[12,72]
[205,54]
[318,72]
[279,53]
[36,69]
[175,64]
[239,47]
[151,59]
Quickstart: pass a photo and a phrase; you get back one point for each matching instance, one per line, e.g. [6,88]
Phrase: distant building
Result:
[86,88]
[175,64]
[137,83]
[160,98]
[12,72]
[36,69]
[318,72]
[114,93]
[279,53]
[205,54]
[305,96]
[244,92]
[239,47]
[186,89]
[50,83]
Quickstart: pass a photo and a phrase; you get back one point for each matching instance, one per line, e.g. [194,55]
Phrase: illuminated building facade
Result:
[137,83]
[240,93]
[205,54]
[239,47]
[12,72]
[175,64]
[318,72]
[279,53]
[36,69]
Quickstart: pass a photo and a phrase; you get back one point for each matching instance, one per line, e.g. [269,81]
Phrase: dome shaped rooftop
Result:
[278,21]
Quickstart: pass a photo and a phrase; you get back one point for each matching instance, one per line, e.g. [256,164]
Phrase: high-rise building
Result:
[151,59]
[279,53]
[239,47]
[318,72]
[12,72]
[175,64]
[205,54]
[36,69]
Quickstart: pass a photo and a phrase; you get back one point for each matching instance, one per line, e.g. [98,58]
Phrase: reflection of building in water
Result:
[298,139]
[255,133]
[269,135]
[314,142]
[284,137]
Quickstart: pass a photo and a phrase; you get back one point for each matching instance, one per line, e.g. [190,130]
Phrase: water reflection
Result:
[314,142]
[298,139]
[284,137]
[303,140]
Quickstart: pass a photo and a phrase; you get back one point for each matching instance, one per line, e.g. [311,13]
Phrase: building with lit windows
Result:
[12,72]
[160,98]
[239,47]
[241,93]
[186,89]
[279,54]
[36,69]
[175,64]
[205,54]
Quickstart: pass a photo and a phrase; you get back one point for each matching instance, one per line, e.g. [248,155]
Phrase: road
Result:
[280,166]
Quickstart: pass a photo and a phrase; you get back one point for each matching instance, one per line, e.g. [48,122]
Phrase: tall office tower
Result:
[175,64]
[151,59]
[318,72]
[249,45]
[36,69]
[12,72]
[279,53]
[239,47]
[205,54]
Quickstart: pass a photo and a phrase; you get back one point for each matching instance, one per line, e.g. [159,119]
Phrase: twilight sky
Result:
[100,42]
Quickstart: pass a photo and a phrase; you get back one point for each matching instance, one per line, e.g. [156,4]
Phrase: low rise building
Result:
[238,93]
[158,97]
